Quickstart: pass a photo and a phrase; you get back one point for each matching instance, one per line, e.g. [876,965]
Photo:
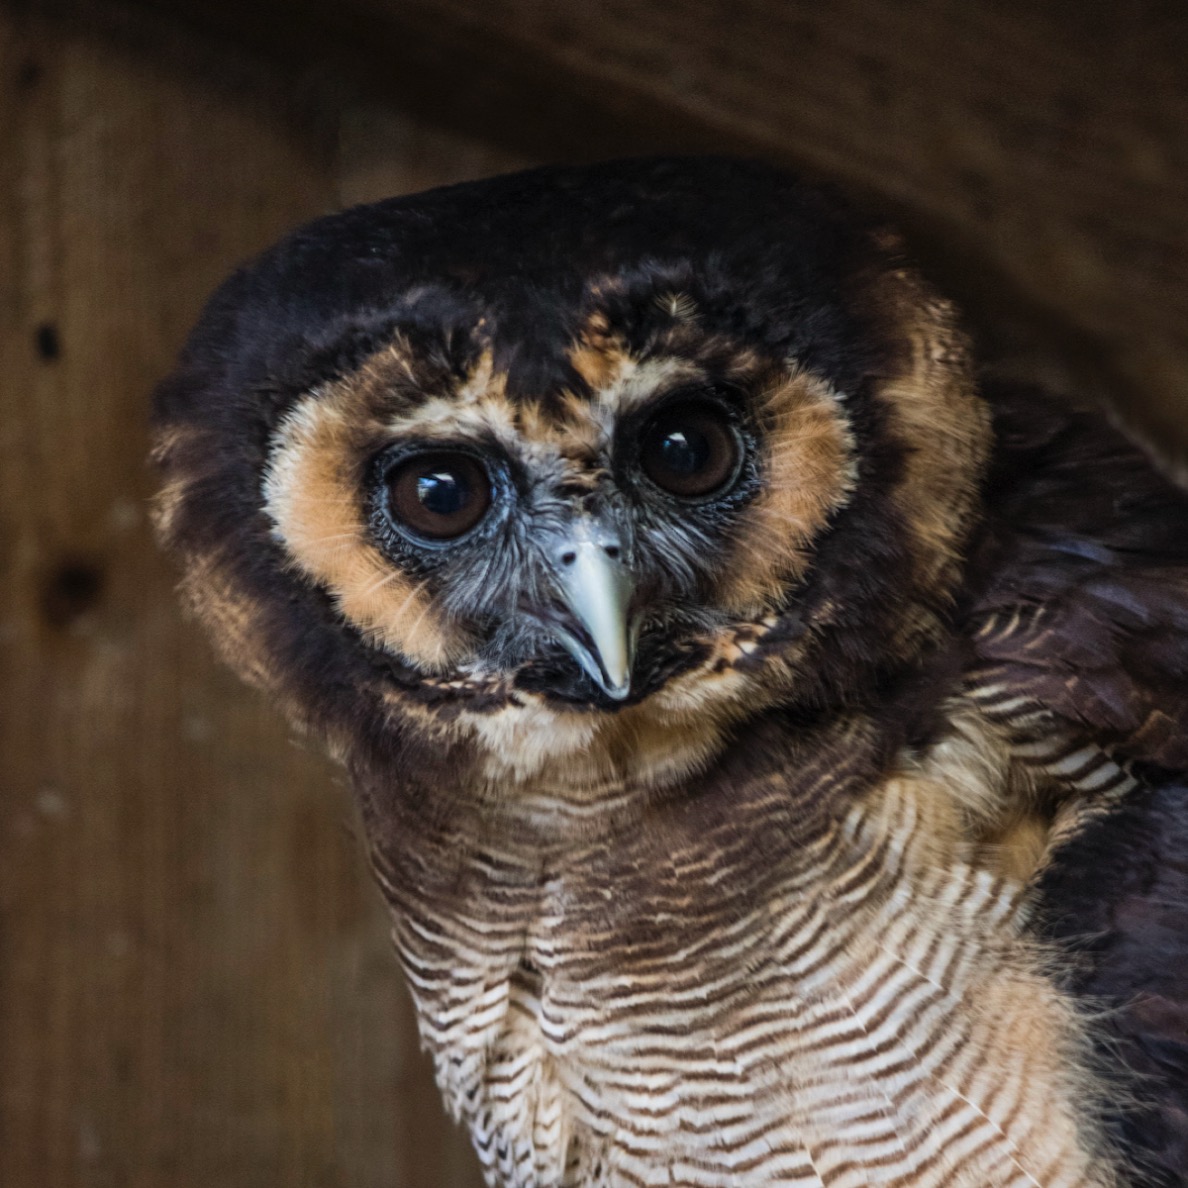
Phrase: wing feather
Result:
[1086,557]
[1080,616]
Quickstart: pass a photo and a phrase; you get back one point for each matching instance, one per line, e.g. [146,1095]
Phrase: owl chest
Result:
[863,1022]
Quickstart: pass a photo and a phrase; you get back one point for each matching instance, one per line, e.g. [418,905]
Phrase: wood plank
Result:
[196,986]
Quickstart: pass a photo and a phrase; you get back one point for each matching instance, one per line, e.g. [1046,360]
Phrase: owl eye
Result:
[690,450]
[438,495]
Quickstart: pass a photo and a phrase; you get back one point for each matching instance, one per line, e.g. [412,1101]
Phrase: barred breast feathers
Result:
[809,979]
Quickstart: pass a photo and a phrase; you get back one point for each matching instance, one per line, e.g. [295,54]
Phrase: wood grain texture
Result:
[196,983]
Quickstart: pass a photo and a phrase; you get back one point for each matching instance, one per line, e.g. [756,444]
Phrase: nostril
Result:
[568,558]
[613,551]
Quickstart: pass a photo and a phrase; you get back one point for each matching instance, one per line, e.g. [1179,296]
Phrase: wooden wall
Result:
[195,981]
[196,987]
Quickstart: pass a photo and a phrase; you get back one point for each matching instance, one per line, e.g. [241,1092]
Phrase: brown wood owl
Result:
[771,738]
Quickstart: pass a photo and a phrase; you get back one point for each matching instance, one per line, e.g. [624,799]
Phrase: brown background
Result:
[195,983]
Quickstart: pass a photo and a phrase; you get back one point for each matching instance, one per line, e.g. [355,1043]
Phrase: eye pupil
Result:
[690,450]
[438,495]
[684,451]
[442,493]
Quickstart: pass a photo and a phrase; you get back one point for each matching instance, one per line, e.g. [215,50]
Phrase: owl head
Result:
[572,469]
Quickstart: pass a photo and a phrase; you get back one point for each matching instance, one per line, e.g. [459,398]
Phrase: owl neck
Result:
[611,779]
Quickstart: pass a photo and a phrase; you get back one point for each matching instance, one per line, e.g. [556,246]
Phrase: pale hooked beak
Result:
[595,587]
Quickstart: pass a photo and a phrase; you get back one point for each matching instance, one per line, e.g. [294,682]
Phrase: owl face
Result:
[655,441]
[582,542]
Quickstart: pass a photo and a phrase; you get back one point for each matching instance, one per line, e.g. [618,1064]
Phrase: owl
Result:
[770,730]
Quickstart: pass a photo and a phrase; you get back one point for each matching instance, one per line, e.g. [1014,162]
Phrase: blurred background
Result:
[195,982]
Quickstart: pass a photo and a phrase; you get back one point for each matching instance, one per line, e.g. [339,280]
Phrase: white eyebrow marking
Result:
[638,382]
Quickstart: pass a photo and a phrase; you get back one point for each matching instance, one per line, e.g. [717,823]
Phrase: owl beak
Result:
[595,587]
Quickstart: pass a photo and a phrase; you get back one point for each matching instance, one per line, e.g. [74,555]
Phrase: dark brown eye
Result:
[439,495]
[690,450]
